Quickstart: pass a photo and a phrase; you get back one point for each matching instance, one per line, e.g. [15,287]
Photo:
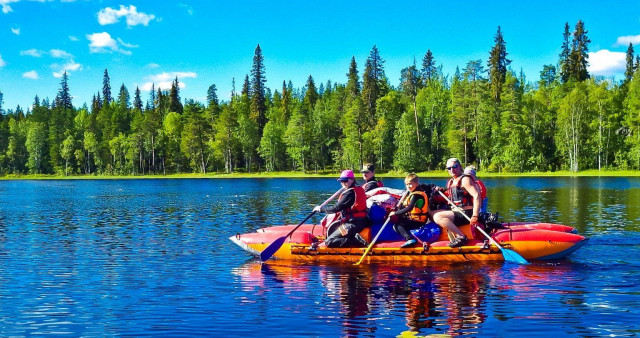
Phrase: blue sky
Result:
[211,42]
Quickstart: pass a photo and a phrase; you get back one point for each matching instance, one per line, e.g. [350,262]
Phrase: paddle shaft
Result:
[313,212]
[379,232]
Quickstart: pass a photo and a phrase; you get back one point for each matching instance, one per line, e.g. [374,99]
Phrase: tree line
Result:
[486,114]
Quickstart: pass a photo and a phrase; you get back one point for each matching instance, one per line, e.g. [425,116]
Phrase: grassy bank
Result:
[299,174]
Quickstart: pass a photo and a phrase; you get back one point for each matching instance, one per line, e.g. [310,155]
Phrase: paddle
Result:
[379,232]
[509,255]
[277,244]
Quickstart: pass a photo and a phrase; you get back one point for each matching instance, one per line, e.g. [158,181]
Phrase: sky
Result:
[142,42]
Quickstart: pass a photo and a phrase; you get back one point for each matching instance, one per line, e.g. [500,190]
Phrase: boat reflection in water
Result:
[390,300]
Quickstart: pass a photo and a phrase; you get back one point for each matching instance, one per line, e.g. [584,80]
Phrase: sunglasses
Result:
[452,167]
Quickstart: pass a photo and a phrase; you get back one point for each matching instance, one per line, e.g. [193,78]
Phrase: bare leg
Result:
[444,218]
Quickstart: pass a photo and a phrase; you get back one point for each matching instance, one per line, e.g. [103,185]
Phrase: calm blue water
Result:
[152,257]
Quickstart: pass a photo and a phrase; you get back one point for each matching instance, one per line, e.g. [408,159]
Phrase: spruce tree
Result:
[106,87]
[63,100]
[579,53]
[565,62]
[123,97]
[498,64]
[628,73]
[137,100]
[152,97]
[428,68]
[174,97]
[353,81]
[258,99]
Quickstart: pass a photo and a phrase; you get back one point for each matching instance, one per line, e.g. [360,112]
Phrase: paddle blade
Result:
[513,257]
[272,248]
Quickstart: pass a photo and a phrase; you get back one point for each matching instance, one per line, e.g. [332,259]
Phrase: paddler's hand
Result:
[317,208]
[474,221]
[393,213]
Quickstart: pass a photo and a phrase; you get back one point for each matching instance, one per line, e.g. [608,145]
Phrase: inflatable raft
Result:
[533,241]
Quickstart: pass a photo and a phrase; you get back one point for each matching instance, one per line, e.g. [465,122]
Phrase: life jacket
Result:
[359,208]
[458,195]
[370,185]
[420,214]
[483,189]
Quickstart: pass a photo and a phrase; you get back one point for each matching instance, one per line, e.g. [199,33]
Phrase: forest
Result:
[486,114]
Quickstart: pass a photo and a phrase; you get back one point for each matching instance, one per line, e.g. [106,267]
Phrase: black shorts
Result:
[459,219]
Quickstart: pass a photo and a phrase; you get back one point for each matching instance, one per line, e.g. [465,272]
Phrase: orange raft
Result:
[533,241]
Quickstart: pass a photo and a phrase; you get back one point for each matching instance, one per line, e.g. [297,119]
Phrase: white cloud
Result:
[109,15]
[33,75]
[2,63]
[152,65]
[164,76]
[625,40]
[58,53]
[104,43]
[68,67]
[15,31]
[73,38]
[164,80]
[128,45]
[605,62]
[33,52]
[5,5]
[188,8]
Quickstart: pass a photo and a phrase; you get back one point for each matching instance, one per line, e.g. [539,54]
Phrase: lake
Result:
[152,257]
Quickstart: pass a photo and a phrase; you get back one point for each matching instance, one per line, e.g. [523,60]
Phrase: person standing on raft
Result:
[352,205]
[464,193]
[369,174]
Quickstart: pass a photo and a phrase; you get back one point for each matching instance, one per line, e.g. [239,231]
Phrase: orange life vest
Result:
[359,208]
[420,214]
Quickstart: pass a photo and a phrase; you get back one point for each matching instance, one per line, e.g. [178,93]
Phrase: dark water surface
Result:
[152,257]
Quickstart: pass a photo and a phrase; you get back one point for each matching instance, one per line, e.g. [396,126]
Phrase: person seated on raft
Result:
[464,193]
[369,174]
[415,210]
[352,205]
[471,171]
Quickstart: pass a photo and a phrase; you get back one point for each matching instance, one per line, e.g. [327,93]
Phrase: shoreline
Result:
[294,174]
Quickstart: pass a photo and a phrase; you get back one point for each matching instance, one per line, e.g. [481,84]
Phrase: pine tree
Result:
[410,82]
[258,80]
[106,87]
[212,96]
[565,62]
[547,75]
[628,73]
[579,53]
[137,101]
[498,64]
[428,68]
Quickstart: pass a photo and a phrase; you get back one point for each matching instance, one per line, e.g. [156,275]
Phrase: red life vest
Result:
[460,196]
[372,185]
[483,189]
[359,208]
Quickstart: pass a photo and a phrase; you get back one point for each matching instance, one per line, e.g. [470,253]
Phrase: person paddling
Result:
[465,194]
[352,206]
[369,174]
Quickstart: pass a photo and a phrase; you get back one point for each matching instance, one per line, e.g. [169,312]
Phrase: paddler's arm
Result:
[409,207]
[347,200]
